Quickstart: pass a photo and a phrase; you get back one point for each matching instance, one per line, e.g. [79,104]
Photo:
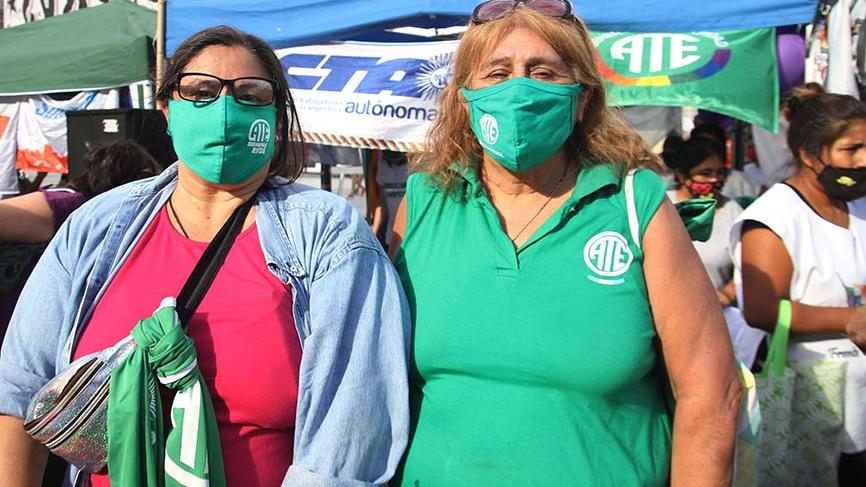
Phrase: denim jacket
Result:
[349,308]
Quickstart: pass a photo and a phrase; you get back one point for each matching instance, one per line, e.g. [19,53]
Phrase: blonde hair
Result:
[601,137]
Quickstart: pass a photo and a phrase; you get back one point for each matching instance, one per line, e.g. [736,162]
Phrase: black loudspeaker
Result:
[91,128]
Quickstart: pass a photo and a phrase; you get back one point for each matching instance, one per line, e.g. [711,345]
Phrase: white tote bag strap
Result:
[633,224]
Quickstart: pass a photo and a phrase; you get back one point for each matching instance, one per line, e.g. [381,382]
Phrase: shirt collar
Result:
[469,174]
[593,178]
[590,179]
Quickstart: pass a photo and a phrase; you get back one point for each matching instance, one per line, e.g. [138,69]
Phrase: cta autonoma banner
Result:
[368,94]
[373,95]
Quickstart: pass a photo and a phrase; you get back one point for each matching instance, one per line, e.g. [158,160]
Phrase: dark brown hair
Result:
[108,166]
[683,156]
[288,159]
[819,118]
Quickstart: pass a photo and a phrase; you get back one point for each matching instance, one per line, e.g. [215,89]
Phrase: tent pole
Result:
[160,45]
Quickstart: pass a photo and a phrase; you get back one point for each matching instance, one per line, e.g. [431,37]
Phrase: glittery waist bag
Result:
[69,414]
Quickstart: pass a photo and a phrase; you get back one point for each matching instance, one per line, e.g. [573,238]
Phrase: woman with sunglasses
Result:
[535,311]
[301,339]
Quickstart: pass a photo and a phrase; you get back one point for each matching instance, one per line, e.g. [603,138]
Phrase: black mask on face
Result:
[844,184]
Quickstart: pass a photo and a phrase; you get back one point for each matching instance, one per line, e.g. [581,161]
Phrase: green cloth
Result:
[697,215]
[726,72]
[98,47]
[137,454]
[532,367]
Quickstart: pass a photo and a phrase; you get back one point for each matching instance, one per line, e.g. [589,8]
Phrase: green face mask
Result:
[223,142]
[522,122]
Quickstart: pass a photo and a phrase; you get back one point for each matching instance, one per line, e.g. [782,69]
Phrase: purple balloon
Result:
[791,56]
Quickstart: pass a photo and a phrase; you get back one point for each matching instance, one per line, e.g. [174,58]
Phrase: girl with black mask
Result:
[803,241]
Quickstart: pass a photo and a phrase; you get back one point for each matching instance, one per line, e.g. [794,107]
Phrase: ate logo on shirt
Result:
[607,255]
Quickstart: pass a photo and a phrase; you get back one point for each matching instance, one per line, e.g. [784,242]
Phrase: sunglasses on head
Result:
[496,9]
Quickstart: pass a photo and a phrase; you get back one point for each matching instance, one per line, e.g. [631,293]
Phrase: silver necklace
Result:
[549,199]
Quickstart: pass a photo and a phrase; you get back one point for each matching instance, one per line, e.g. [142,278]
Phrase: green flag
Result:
[733,73]
[139,452]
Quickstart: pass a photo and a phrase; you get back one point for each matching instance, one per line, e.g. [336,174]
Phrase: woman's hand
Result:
[856,328]
[727,294]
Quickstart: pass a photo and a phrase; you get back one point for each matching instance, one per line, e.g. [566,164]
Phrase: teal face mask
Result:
[222,142]
[522,122]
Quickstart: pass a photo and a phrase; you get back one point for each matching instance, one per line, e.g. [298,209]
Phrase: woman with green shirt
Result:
[535,305]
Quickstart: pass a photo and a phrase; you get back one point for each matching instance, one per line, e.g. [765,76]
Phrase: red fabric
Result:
[245,338]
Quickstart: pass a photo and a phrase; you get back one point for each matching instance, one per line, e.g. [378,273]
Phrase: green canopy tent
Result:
[94,48]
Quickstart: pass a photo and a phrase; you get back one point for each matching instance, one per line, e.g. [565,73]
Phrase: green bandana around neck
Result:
[697,215]
[521,122]
[138,454]
[223,141]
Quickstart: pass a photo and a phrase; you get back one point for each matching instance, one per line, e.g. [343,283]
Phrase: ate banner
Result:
[733,73]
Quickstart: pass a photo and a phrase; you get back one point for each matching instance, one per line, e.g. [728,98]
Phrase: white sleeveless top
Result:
[829,266]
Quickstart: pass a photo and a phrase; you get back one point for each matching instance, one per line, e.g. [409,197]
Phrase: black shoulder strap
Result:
[208,265]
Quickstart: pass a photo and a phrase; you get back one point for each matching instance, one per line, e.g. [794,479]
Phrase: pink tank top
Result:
[245,339]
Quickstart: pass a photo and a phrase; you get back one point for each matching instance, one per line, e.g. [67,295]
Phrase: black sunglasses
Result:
[496,9]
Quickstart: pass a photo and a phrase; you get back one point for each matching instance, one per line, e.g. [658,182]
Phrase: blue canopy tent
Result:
[290,23]
[298,22]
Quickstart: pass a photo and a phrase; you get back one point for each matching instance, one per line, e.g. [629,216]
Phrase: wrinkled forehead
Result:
[521,45]
[517,40]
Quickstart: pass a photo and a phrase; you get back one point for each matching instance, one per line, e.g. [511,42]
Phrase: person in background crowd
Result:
[803,241]
[700,173]
[738,183]
[35,217]
[390,173]
[305,273]
[535,306]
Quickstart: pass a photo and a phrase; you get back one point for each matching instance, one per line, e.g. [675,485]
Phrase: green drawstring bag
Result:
[697,215]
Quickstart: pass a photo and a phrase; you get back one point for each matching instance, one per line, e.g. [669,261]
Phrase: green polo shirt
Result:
[532,367]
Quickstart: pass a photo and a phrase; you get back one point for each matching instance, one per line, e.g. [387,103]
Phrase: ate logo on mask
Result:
[259,136]
[489,128]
